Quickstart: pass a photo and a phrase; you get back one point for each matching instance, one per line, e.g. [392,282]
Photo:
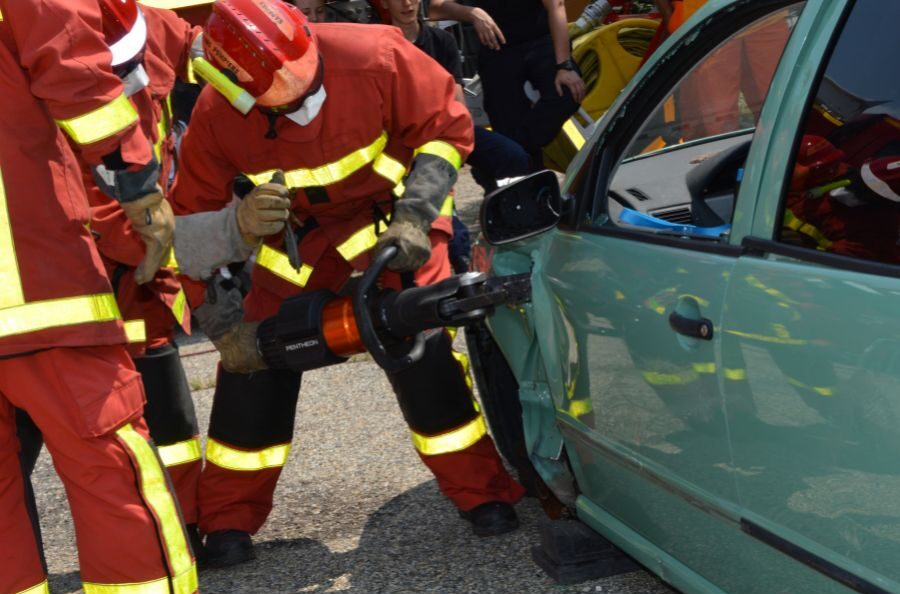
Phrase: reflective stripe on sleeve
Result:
[135,331]
[43,587]
[451,441]
[444,150]
[155,491]
[180,453]
[573,134]
[278,263]
[101,123]
[54,313]
[232,459]
[330,173]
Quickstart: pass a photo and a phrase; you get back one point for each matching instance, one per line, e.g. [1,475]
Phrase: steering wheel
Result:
[363,301]
[701,178]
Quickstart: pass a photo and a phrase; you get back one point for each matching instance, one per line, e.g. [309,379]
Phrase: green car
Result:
[708,374]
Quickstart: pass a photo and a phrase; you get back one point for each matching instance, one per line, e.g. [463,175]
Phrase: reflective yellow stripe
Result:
[330,173]
[160,586]
[10,282]
[69,311]
[791,221]
[101,123]
[366,238]
[573,134]
[820,390]
[135,331]
[170,261]
[704,367]
[41,588]
[452,441]
[277,263]
[447,207]
[226,457]
[1,16]
[185,583]
[180,453]
[155,490]
[579,408]
[655,378]
[444,150]
[359,243]
[178,306]
[767,338]
[735,374]
[389,168]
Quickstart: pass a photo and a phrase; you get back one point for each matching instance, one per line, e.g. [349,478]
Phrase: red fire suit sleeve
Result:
[421,107]
[62,49]
[173,37]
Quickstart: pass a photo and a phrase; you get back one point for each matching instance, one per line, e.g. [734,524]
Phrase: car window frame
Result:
[645,97]
[759,246]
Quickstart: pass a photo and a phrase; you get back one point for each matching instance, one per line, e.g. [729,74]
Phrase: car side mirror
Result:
[522,209]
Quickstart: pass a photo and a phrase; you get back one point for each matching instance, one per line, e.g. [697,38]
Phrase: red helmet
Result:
[268,46]
[124,29]
[818,162]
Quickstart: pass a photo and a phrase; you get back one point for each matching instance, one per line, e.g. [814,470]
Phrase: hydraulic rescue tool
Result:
[320,328]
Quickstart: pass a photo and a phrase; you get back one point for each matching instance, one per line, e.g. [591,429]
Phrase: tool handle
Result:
[363,300]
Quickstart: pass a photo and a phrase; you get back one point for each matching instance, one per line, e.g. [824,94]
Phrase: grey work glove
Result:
[264,210]
[221,317]
[427,187]
[153,220]
[413,244]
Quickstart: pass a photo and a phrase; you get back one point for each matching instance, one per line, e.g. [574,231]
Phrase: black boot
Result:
[225,548]
[492,518]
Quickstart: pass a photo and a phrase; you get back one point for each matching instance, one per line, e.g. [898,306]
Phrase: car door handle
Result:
[702,328]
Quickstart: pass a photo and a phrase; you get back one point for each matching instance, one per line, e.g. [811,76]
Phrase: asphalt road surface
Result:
[355,510]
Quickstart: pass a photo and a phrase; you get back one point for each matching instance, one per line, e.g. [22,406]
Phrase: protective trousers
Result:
[252,421]
[170,417]
[86,402]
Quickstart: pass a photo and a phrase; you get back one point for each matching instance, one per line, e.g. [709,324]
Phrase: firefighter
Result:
[62,358]
[345,111]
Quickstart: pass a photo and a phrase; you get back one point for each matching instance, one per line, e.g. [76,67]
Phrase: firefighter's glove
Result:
[152,219]
[413,244]
[238,349]
[264,210]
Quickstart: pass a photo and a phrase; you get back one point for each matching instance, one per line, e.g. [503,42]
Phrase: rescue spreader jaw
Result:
[320,328]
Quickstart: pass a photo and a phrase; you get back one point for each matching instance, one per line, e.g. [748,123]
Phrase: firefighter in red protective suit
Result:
[150,47]
[61,335]
[355,117]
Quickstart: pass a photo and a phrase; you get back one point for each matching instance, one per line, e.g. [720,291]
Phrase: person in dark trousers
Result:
[522,41]
[495,156]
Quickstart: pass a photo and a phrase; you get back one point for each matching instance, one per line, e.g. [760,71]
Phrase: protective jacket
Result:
[53,290]
[160,303]
[346,165]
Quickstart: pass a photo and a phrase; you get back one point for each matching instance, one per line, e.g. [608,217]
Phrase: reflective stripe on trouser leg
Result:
[170,416]
[159,499]
[80,398]
[449,431]
[250,430]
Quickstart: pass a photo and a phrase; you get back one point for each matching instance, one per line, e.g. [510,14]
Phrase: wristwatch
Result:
[567,65]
